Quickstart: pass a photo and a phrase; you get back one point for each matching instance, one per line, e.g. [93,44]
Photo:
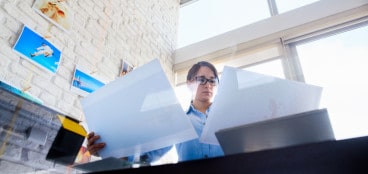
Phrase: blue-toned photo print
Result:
[83,83]
[19,92]
[38,50]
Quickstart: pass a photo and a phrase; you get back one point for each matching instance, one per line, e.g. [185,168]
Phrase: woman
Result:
[202,79]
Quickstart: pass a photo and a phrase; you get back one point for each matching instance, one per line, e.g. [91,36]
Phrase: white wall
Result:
[102,33]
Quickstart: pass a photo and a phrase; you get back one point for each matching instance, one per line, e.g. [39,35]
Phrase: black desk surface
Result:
[343,156]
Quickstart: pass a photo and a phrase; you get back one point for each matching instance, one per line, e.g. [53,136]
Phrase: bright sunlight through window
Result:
[339,65]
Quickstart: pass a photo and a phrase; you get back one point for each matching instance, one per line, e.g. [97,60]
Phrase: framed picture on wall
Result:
[56,11]
[126,67]
[83,83]
[38,50]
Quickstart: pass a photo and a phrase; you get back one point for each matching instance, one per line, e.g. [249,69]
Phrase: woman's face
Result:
[203,93]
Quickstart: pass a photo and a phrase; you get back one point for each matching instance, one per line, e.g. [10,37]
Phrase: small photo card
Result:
[83,83]
[38,50]
[126,67]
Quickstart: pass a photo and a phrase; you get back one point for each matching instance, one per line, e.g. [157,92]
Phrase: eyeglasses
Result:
[203,80]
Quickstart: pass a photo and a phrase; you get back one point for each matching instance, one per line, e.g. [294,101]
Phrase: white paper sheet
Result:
[137,113]
[245,97]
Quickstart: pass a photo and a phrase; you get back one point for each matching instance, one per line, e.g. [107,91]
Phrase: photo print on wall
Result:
[38,50]
[56,11]
[126,67]
[83,83]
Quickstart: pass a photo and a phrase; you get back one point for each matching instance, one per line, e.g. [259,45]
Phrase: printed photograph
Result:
[9,87]
[126,67]
[83,83]
[35,48]
[56,11]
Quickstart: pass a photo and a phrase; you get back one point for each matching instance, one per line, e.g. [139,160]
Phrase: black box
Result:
[67,142]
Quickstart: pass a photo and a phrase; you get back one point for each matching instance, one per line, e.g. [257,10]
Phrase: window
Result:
[207,18]
[339,65]
[204,19]
[273,68]
[287,5]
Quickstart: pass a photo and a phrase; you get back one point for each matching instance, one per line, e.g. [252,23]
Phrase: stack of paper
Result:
[137,113]
[245,97]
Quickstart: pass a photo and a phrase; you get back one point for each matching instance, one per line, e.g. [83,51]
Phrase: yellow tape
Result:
[11,125]
[72,126]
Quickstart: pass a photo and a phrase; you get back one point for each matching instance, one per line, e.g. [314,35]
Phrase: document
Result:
[246,97]
[137,113]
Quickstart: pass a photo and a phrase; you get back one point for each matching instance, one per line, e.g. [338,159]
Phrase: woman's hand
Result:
[93,147]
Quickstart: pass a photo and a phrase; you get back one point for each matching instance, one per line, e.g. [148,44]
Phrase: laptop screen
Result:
[307,127]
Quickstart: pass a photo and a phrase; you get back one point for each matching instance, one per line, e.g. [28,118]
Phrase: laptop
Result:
[297,129]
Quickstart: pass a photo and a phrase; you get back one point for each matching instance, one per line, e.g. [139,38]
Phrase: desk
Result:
[344,156]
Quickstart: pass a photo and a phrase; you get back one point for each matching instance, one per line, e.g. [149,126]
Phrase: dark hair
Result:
[195,68]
